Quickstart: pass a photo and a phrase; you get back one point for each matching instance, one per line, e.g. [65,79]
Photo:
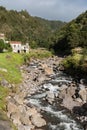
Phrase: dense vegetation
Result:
[76,63]
[4,46]
[72,40]
[23,27]
[72,35]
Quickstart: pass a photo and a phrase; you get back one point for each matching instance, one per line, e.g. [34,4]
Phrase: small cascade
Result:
[46,100]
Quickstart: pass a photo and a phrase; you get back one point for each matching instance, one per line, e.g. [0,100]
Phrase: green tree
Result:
[33,45]
[8,47]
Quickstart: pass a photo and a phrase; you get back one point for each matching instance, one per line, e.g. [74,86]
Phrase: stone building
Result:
[17,47]
[2,36]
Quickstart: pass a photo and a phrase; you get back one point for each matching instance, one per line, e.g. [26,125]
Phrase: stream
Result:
[47,102]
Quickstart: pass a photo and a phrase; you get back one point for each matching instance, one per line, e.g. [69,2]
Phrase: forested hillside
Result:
[72,35]
[23,27]
[71,41]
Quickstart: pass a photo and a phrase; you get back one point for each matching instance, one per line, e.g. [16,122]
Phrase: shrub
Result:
[2,45]
[8,47]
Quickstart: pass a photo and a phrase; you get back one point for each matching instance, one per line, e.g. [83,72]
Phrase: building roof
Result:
[15,42]
[2,34]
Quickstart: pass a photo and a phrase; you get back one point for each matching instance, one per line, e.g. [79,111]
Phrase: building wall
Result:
[25,48]
[16,47]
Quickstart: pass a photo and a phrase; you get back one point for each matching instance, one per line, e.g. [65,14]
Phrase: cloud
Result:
[64,10]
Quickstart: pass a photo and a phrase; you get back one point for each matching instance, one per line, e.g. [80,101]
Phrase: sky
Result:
[64,10]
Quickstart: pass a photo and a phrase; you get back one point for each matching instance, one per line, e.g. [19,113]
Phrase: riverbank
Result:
[10,74]
[28,117]
[33,75]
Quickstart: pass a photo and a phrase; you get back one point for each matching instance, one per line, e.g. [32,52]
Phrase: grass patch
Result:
[9,67]
[40,53]
[3,94]
[72,61]
[76,63]
[37,54]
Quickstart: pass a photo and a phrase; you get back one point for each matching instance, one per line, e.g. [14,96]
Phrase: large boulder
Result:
[69,103]
[15,117]
[67,96]
[24,116]
[38,121]
[50,96]
[11,108]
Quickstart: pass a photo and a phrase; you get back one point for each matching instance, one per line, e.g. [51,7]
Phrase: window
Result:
[14,46]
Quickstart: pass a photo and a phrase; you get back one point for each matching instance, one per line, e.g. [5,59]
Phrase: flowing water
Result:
[46,100]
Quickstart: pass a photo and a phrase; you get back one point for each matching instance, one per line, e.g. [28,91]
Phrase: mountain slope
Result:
[22,26]
[72,35]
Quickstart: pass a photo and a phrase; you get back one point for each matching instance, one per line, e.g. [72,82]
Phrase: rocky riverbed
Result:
[47,98]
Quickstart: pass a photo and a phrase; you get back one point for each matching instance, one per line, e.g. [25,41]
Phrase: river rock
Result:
[63,87]
[69,103]
[11,108]
[23,127]
[50,96]
[62,94]
[47,70]
[32,111]
[41,78]
[71,90]
[83,94]
[15,117]
[5,125]
[19,98]
[79,100]
[24,118]
[4,83]
[4,70]
[38,121]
